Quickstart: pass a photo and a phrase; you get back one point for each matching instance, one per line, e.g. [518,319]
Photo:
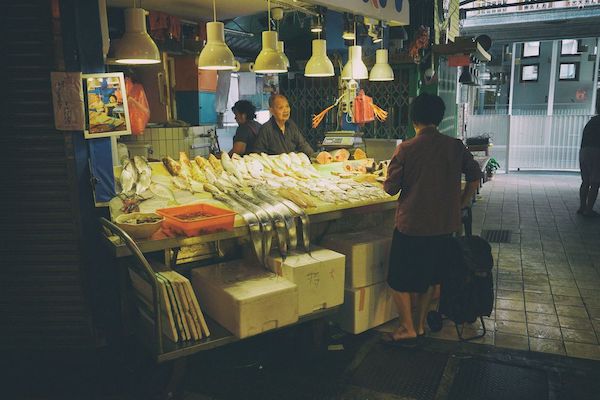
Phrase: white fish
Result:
[128,177]
[304,159]
[144,175]
[295,159]
[286,160]
[229,167]
[163,192]
[254,167]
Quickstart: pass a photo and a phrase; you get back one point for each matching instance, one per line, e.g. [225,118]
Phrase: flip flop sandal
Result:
[389,340]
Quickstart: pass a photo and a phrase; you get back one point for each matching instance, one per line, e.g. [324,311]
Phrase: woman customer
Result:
[247,131]
[426,170]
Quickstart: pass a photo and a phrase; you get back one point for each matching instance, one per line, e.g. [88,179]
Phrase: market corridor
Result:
[548,275]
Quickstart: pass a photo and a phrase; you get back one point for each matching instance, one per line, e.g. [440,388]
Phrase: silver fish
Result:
[144,174]
[128,177]
[163,192]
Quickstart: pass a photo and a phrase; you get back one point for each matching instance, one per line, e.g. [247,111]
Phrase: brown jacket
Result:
[426,170]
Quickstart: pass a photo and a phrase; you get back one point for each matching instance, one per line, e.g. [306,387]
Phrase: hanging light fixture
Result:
[269,60]
[216,55]
[381,71]
[319,64]
[355,68]
[316,26]
[281,51]
[136,46]
[348,33]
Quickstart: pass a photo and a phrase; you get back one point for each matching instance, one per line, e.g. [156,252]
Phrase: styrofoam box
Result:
[244,298]
[367,255]
[319,277]
[367,307]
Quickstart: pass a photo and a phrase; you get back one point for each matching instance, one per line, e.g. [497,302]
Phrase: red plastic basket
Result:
[216,219]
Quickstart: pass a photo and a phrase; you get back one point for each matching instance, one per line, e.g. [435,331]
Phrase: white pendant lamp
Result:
[381,71]
[280,49]
[216,55]
[136,46]
[355,68]
[269,60]
[319,64]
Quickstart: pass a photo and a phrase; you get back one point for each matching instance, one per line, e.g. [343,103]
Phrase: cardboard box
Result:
[367,255]
[319,277]
[244,298]
[367,307]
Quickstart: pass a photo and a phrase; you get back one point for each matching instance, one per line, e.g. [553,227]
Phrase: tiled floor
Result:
[548,276]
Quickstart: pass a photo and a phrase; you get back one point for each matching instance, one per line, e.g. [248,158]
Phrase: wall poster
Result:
[67,101]
[106,105]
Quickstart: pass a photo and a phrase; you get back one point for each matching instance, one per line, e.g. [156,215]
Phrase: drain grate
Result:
[410,373]
[496,235]
[478,379]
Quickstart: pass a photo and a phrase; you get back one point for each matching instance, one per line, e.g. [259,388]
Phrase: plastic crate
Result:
[217,219]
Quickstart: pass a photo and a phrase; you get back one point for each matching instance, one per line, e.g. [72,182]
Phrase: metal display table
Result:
[131,252]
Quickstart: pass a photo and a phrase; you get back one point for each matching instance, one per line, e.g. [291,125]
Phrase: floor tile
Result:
[547,346]
[508,315]
[544,331]
[537,288]
[575,323]
[538,297]
[542,319]
[511,341]
[514,305]
[568,300]
[565,291]
[571,311]
[579,336]
[546,308]
[510,294]
[511,327]
[583,350]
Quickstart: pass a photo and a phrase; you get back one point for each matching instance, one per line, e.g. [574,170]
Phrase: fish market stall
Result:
[279,206]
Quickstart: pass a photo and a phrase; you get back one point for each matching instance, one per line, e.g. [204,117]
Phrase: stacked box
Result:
[244,298]
[368,300]
[318,275]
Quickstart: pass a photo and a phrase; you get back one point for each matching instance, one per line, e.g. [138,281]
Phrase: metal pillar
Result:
[595,87]
[553,78]
[510,103]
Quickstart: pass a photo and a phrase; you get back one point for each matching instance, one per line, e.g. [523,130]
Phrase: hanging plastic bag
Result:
[363,108]
[139,111]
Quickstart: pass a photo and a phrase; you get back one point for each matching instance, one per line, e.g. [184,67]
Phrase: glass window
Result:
[529,73]
[531,49]
[569,46]
[569,71]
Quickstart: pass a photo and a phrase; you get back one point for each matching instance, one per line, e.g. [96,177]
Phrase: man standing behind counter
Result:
[280,134]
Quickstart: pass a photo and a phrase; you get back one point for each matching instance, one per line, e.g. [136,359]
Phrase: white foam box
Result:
[367,255]
[318,275]
[365,308]
[244,298]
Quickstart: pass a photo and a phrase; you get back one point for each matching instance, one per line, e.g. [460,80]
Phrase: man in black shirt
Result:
[589,164]
[280,134]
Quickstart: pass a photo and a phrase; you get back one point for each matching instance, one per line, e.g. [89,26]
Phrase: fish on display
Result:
[128,178]
[163,192]
[144,174]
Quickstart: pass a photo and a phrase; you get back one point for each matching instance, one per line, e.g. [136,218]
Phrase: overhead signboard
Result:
[394,12]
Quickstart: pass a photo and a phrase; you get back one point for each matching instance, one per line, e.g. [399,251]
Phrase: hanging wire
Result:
[215,10]
[269,14]
[355,32]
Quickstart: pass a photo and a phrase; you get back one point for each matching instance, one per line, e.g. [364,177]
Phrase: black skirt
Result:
[416,262]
